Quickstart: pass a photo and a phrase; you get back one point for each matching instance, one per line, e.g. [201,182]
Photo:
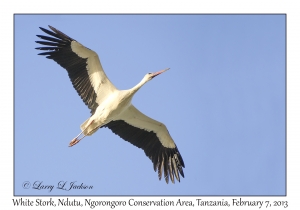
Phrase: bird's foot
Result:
[73,142]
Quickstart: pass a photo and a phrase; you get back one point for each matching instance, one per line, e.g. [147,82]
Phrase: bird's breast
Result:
[111,108]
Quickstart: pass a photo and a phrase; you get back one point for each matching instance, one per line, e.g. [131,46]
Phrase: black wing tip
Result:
[174,168]
[56,33]
[168,163]
[52,28]
[46,29]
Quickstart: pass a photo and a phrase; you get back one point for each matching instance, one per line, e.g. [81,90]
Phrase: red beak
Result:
[159,72]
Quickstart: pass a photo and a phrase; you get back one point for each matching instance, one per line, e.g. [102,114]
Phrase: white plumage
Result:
[111,107]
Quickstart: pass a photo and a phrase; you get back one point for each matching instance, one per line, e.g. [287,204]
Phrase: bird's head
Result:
[146,78]
[150,76]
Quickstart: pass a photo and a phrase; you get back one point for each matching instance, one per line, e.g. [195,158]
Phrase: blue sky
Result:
[223,102]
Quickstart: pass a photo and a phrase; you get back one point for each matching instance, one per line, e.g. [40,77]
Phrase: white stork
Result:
[111,107]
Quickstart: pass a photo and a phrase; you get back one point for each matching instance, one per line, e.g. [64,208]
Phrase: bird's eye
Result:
[149,73]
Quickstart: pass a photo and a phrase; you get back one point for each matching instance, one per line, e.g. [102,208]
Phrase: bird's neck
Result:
[138,86]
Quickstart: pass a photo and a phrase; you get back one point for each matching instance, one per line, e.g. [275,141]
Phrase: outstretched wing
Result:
[154,138]
[82,64]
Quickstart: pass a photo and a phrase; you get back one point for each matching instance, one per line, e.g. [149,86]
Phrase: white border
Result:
[153,6]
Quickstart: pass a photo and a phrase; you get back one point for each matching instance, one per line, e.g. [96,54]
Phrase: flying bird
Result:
[110,107]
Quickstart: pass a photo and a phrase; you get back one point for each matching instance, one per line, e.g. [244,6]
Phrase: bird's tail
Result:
[83,126]
[92,128]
